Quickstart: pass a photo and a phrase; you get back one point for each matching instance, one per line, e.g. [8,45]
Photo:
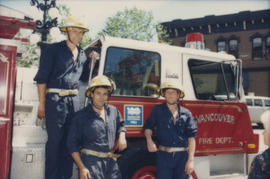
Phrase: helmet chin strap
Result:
[172,103]
[99,108]
[176,102]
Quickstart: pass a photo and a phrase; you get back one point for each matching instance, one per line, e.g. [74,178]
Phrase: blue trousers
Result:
[59,110]
[171,165]
[101,168]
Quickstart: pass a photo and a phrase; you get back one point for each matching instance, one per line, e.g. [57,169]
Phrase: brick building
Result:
[245,34]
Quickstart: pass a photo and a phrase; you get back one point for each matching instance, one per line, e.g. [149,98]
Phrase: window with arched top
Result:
[233,47]
[257,48]
[221,46]
[257,41]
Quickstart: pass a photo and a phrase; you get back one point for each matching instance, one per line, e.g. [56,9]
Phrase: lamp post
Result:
[46,24]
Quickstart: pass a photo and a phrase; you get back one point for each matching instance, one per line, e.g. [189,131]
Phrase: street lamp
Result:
[46,24]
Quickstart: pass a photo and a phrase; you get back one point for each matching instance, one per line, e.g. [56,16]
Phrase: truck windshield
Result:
[213,80]
[135,72]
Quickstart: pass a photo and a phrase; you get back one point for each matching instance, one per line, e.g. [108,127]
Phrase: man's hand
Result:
[151,146]
[41,96]
[41,110]
[94,55]
[85,174]
[189,167]
[122,142]
[191,150]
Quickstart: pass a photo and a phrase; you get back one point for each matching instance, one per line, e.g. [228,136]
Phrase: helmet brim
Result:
[64,28]
[181,93]
[90,90]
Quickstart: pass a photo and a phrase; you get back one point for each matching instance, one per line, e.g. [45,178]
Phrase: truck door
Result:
[224,128]
[137,77]
[7,78]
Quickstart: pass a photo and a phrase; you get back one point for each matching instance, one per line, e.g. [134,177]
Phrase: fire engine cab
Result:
[213,91]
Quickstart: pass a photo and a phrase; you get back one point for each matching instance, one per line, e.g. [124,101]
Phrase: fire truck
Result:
[213,91]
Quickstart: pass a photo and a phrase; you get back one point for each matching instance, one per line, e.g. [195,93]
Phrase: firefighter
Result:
[94,129]
[176,132]
[60,68]
[260,167]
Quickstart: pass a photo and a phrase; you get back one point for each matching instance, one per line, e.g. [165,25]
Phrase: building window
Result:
[221,46]
[267,48]
[233,47]
[257,53]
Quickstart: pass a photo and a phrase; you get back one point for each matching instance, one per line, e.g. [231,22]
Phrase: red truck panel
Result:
[7,81]
[223,127]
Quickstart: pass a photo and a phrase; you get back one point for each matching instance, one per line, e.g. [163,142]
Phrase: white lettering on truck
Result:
[217,140]
[215,117]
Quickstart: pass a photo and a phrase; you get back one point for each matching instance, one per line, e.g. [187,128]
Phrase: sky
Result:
[95,12]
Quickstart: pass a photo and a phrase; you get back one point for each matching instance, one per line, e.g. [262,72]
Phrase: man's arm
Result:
[41,96]
[84,172]
[122,142]
[191,151]
[150,143]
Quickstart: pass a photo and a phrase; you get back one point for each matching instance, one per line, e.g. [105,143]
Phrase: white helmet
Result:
[171,85]
[98,81]
[73,22]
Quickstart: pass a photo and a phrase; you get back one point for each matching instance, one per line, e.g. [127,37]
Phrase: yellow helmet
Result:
[171,85]
[100,80]
[73,22]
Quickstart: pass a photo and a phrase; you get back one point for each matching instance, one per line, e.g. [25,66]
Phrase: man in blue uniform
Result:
[260,167]
[60,68]
[93,132]
[176,130]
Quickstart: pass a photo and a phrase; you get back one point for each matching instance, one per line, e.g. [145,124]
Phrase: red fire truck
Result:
[9,27]
[213,91]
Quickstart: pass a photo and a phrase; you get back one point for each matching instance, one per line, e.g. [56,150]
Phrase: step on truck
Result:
[213,91]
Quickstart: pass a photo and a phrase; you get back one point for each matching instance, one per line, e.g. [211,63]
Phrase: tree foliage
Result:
[29,56]
[134,24]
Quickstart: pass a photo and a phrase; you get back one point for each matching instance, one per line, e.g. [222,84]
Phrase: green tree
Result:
[134,24]
[86,40]
[29,56]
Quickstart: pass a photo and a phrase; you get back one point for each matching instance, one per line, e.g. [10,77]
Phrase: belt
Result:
[62,92]
[172,149]
[100,154]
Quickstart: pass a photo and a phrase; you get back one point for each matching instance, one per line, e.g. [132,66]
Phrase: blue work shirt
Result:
[260,167]
[88,130]
[168,134]
[57,68]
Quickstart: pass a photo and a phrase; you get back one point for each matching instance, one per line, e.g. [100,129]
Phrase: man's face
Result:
[75,34]
[171,96]
[100,97]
